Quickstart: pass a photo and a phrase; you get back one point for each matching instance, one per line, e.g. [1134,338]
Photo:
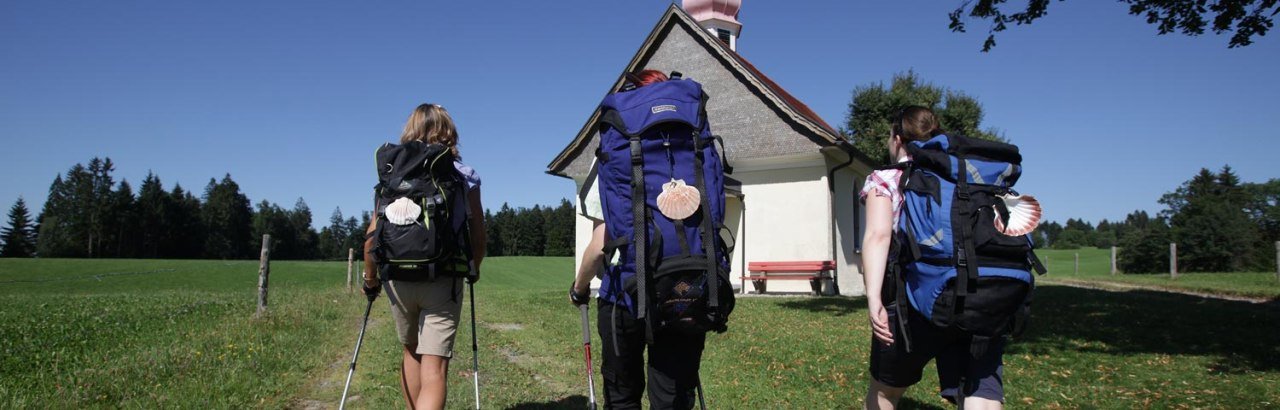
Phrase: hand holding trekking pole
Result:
[371,288]
[579,297]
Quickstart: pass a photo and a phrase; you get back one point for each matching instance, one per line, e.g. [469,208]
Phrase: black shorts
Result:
[893,366]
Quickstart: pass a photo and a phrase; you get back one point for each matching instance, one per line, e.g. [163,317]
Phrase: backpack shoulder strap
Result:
[639,228]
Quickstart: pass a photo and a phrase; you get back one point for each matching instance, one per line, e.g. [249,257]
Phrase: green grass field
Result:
[1095,267]
[147,334]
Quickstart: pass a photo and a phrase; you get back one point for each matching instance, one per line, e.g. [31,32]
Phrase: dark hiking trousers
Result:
[673,363]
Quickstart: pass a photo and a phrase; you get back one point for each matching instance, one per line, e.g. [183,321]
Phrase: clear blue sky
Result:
[291,98]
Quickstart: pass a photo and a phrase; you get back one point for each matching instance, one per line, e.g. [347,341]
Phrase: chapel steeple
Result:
[719,17]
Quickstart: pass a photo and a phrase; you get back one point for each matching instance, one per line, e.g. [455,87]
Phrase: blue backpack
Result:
[954,265]
[677,268]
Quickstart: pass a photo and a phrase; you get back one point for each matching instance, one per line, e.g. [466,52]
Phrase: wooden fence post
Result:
[1113,260]
[1077,263]
[1173,260]
[351,256]
[264,271]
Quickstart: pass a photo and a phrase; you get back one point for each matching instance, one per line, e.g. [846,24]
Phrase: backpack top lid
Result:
[634,111]
[413,159]
[987,162]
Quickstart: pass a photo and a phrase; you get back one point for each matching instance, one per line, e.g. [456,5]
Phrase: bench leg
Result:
[759,285]
[816,285]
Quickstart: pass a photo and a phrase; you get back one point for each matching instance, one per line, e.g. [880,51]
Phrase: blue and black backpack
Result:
[672,274]
[954,266]
[421,205]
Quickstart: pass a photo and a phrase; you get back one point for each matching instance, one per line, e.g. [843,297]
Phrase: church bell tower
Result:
[719,17]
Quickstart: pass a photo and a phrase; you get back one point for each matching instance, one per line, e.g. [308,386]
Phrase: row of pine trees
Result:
[1219,223]
[90,215]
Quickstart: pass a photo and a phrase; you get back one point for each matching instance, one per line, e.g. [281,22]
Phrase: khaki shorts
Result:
[426,313]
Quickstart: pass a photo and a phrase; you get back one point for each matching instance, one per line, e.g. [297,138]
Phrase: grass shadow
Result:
[907,403]
[571,402]
[836,306]
[1238,335]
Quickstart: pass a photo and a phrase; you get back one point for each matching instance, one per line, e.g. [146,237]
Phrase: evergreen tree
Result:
[123,214]
[99,203]
[305,238]
[184,226]
[55,233]
[506,222]
[270,219]
[1046,234]
[1145,247]
[1210,223]
[228,220]
[530,238]
[18,237]
[354,239]
[150,211]
[560,227]
[495,245]
[1264,210]
[1075,234]
[1104,236]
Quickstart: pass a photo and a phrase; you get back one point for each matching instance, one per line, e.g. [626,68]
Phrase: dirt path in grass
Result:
[324,390]
[1121,287]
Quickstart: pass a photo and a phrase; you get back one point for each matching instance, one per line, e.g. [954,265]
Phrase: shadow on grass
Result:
[1238,336]
[835,306]
[571,402]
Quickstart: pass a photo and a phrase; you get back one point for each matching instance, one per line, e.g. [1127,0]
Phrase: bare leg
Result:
[883,396]
[978,403]
[410,376]
[434,371]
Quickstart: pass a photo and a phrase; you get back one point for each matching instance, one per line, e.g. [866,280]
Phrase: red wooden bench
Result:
[813,271]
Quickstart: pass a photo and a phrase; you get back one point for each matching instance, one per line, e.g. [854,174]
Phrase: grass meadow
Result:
[149,334]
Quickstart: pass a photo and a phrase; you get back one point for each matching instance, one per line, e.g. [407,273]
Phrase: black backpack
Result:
[422,211]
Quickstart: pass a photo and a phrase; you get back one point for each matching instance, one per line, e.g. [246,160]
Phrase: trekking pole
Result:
[586,346]
[356,355]
[475,347]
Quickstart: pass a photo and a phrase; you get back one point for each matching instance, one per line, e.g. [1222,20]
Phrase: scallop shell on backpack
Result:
[403,212]
[677,200]
[1024,215]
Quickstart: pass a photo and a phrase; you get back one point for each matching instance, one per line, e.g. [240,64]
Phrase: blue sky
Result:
[291,98]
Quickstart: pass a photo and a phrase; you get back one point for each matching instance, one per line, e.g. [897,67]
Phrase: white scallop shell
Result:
[403,212]
[1024,215]
[677,200]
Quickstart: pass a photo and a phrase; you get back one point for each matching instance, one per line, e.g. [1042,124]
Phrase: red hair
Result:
[646,77]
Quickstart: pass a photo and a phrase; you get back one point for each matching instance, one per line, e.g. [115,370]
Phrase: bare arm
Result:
[370,269]
[592,258]
[875,255]
[476,225]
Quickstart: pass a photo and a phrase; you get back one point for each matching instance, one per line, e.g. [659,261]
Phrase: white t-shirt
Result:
[589,196]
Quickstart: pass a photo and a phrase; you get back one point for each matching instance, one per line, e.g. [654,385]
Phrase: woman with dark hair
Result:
[893,367]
